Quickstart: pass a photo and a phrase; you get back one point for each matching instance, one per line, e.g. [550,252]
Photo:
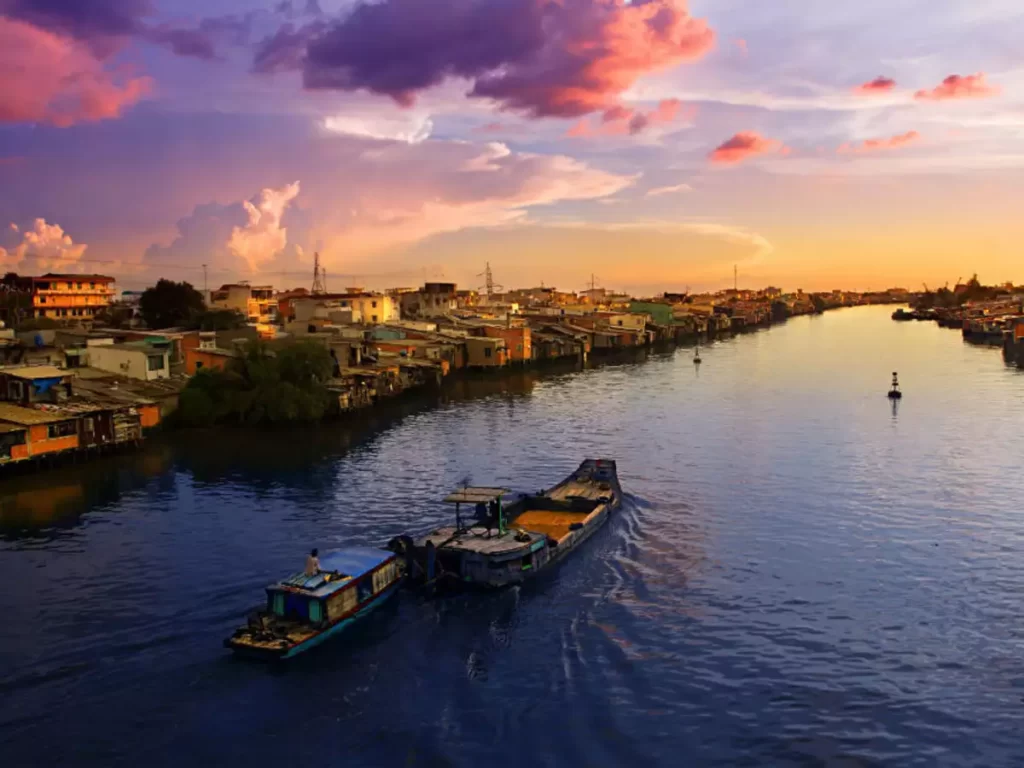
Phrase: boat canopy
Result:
[475,495]
[337,569]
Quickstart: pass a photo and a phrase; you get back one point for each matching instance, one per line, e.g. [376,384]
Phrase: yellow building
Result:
[67,297]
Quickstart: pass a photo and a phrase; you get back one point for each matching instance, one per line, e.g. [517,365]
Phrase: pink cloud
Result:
[880,145]
[44,246]
[48,78]
[744,145]
[620,121]
[742,45]
[877,86]
[959,87]
[544,58]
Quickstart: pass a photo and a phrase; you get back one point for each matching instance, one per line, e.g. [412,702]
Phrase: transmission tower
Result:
[319,276]
[489,284]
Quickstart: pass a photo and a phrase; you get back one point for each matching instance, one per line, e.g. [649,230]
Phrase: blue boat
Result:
[304,611]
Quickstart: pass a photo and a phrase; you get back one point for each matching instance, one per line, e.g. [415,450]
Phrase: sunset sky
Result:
[653,143]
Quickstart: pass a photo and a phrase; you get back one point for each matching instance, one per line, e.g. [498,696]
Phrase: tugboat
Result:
[302,611]
[512,537]
[894,393]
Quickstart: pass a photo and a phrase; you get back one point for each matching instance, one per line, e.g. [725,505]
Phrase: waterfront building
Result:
[256,303]
[484,352]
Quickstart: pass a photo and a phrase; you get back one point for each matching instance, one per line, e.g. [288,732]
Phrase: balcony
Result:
[83,291]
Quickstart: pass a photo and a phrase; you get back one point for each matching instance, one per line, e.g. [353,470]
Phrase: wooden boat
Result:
[509,537]
[303,611]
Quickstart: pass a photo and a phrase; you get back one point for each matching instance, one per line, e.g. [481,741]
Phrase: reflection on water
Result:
[804,573]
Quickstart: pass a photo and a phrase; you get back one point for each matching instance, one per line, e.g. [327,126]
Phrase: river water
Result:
[802,575]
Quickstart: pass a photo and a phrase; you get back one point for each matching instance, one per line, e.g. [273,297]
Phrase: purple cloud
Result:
[540,57]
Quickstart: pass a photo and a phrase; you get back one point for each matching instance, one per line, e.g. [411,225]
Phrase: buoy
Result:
[894,393]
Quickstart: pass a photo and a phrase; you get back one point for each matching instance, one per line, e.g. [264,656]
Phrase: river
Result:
[803,574]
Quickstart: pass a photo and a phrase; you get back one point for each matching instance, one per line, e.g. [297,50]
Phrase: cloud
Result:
[263,237]
[659,191]
[620,120]
[101,24]
[43,247]
[544,59]
[50,78]
[744,145]
[742,45]
[203,40]
[362,199]
[959,87]
[410,128]
[879,145]
[874,87]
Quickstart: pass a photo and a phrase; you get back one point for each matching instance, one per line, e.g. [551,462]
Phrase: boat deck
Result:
[476,539]
[552,524]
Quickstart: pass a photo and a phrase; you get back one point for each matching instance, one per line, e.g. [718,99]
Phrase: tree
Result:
[169,304]
[219,320]
[261,386]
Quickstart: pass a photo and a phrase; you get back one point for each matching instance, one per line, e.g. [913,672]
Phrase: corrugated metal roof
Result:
[28,416]
[36,372]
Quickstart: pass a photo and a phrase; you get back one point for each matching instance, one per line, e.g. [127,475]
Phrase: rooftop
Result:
[33,372]
[351,561]
[27,416]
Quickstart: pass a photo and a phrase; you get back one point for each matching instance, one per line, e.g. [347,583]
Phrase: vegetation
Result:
[218,320]
[115,316]
[171,305]
[261,386]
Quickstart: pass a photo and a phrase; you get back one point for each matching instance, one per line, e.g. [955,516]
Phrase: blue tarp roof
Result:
[350,561]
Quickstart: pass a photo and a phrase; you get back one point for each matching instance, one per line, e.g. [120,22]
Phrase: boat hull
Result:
[248,650]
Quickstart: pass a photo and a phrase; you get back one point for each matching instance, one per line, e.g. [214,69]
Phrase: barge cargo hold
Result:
[509,537]
[303,611]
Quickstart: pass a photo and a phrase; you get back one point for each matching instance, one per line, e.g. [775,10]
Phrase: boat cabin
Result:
[302,610]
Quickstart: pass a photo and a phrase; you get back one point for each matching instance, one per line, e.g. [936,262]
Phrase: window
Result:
[374,303]
[374,318]
[620,322]
[344,304]
[61,429]
[155,362]
[365,587]
[42,299]
[519,347]
[92,286]
[78,286]
[199,364]
[487,351]
[16,390]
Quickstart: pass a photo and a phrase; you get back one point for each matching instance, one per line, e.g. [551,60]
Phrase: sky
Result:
[648,145]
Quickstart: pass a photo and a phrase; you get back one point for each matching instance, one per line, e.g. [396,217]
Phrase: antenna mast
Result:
[319,276]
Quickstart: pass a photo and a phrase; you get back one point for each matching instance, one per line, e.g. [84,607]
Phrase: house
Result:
[136,360]
[432,300]
[35,384]
[207,354]
[31,432]
[483,352]
[64,296]
[254,302]
[518,340]
[354,307]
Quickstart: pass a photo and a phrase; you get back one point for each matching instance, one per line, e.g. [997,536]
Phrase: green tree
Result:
[263,385]
[170,305]
[219,320]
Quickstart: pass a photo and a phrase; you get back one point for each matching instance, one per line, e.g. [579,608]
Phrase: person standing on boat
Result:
[313,563]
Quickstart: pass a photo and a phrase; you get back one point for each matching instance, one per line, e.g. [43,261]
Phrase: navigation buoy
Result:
[894,393]
[696,355]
